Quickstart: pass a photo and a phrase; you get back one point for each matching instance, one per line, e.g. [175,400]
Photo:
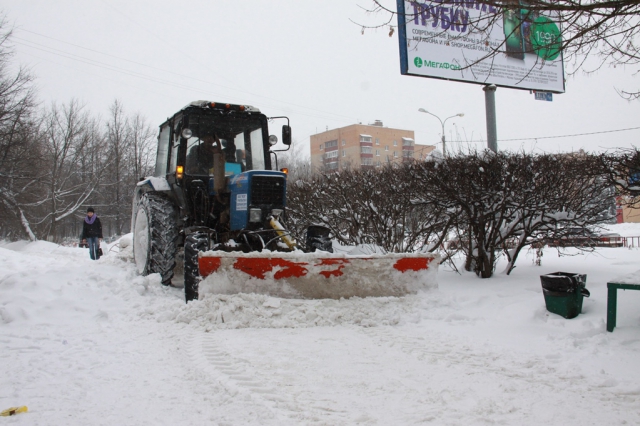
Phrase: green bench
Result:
[612,300]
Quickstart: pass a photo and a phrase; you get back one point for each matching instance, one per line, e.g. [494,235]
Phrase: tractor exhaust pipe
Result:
[218,168]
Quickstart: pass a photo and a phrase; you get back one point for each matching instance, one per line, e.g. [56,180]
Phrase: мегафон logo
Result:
[419,63]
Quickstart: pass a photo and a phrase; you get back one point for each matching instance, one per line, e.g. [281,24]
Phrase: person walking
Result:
[92,233]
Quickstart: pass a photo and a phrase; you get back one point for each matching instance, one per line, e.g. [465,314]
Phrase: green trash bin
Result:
[564,293]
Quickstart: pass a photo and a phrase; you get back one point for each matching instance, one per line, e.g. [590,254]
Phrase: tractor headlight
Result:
[255,215]
[186,133]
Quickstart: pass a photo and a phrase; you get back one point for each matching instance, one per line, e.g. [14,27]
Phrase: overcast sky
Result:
[303,59]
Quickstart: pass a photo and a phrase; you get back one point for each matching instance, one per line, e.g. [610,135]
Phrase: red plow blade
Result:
[317,275]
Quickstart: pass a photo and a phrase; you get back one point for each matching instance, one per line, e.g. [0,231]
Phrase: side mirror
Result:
[286,135]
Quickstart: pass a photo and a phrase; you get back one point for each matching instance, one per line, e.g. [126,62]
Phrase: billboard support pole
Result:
[490,106]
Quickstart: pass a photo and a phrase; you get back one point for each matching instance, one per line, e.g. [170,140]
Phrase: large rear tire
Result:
[194,243]
[154,236]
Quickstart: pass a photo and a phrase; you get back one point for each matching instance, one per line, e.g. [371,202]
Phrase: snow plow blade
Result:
[317,275]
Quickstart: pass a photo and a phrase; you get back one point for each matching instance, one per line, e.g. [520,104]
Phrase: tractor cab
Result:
[189,139]
[205,147]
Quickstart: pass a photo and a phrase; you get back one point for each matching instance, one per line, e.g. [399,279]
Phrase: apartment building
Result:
[364,145]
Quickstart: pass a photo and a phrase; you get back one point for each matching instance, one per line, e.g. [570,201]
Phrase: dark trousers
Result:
[94,245]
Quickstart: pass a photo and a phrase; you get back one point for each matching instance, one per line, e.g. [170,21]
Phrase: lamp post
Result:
[444,147]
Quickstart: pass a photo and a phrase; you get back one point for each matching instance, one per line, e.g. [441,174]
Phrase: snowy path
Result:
[384,375]
[85,342]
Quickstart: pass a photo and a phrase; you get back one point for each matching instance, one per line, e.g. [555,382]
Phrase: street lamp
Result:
[444,147]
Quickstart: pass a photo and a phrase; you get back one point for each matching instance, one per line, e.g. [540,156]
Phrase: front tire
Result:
[318,238]
[154,236]
[194,243]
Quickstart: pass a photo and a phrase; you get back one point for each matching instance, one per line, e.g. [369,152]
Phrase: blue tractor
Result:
[213,189]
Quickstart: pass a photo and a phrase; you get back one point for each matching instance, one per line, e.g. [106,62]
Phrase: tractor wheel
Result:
[154,236]
[318,238]
[195,243]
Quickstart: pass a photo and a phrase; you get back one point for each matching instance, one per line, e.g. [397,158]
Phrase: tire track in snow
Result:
[206,356]
[244,380]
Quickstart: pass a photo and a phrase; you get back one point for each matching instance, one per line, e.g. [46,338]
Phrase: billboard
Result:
[475,42]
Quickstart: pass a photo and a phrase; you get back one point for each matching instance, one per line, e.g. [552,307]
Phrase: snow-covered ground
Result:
[92,343]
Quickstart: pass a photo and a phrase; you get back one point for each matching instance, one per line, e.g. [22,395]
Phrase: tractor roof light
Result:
[273,139]
[285,170]
[223,106]
[187,133]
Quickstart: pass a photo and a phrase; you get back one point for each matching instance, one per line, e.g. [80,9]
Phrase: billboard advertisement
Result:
[475,42]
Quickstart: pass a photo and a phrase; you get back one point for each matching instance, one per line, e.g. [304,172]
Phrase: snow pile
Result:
[219,311]
[123,248]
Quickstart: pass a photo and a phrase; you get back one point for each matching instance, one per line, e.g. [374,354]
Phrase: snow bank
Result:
[219,311]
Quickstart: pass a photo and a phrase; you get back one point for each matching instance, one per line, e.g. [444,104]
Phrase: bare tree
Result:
[142,139]
[19,149]
[66,138]
[295,160]
[130,143]
[19,181]
[115,187]
[55,162]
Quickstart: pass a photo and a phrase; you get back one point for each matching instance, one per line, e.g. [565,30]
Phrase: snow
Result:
[156,183]
[632,278]
[92,342]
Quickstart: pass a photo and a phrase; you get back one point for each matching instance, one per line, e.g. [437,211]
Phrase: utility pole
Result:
[490,106]
[444,146]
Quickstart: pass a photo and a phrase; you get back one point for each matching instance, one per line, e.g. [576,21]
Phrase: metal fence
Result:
[631,242]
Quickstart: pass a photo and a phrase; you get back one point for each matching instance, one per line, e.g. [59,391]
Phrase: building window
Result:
[395,143]
[331,154]
[407,142]
[344,152]
[331,144]
[377,141]
[395,154]
[377,153]
[332,166]
[366,150]
[320,147]
[386,148]
[407,153]
[367,161]
[365,138]
[344,142]
[378,164]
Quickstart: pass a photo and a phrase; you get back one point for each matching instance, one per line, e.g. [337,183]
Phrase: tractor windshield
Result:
[241,139]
